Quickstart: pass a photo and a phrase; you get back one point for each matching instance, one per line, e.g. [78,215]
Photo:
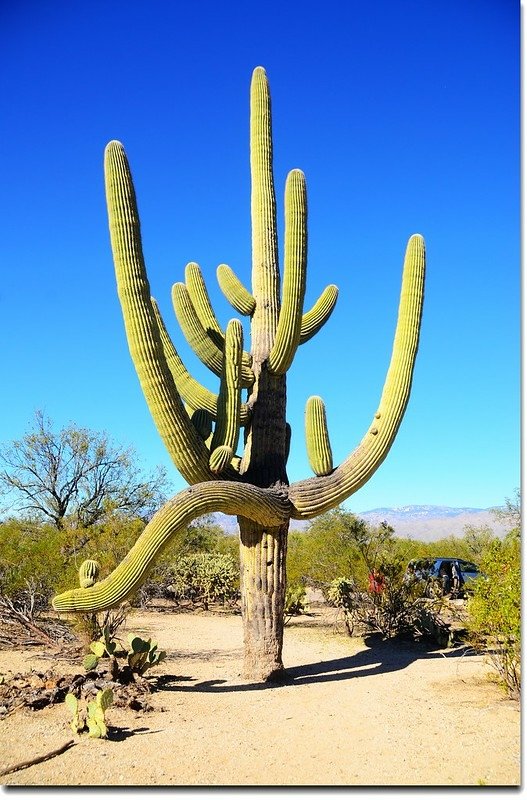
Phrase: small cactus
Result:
[88,573]
[95,719]
[72,703]
[143,654]
[103,647]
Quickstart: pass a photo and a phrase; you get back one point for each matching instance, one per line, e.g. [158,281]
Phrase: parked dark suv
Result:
[448,576]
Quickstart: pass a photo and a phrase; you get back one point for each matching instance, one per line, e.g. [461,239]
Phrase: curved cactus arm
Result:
[316,495]
[200,298]
[294,281]
[202,421]
[265,273]
[227,428]
[265,506]
[204,346]
[202,305]
[318,315]
[192,392]
[179,436]
[317,437]
[234,290]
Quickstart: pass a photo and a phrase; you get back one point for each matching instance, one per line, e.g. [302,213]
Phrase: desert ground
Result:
[353,712]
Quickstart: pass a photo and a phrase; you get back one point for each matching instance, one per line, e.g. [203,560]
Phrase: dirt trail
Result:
[366,713]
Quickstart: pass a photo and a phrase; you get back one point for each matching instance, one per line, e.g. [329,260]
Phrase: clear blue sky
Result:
[404,117]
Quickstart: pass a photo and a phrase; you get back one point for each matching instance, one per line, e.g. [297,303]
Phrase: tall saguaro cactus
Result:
[201,430]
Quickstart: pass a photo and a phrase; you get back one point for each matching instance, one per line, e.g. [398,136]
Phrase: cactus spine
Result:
[252,484]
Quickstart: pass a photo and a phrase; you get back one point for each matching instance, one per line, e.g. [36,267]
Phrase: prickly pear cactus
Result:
[95,718]
[201,429]
[72,703]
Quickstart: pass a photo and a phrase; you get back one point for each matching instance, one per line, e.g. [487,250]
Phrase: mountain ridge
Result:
[423,522]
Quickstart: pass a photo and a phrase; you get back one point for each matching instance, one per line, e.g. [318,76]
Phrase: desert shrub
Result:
[495,610]
[337,543]
[392,605]
[343,594]
[205,578]
[295,600]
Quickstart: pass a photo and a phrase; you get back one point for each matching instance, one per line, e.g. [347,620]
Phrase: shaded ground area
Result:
[352,712]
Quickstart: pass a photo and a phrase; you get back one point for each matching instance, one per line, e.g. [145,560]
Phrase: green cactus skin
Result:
[255,485]
[228,417]
[294,282]
[234,290]
[220,458]
[88,572]
[192,392]
[143,654]
[318,315]
[95,718]
[183,444]
[200,340]
[90,661]
[266,506]
[317,495]
[202,421]
[200,300]
[317,437]
[76,724]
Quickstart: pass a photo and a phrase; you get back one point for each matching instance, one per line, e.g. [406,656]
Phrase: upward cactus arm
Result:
[203,343]
[228,418]
[202,305]
[191,391]
[318,315]
[234,290]
[294,283]
[200,298]
[264,506]
[186,449]
[317,495]
[265,275]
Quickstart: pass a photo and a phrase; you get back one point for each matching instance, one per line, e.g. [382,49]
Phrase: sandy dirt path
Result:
[364,713]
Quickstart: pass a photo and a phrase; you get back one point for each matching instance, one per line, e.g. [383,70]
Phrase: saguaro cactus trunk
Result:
[201,430]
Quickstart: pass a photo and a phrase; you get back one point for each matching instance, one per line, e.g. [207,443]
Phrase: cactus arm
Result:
[221,458]
[265,274]
[317,437]
[179,436]
[234,290]
[202,421]
[191,391]
[318,315]
[200,298]
[294,282]
[202,305]
[265,506]
[316,495]
[227,428]
[203,344]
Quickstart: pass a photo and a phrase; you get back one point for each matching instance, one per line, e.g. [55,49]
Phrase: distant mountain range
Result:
[426,523]
[429,523]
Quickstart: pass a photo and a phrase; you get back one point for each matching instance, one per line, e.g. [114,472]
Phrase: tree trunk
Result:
[263,581]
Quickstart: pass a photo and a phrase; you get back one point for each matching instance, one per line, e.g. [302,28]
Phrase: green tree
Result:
[75,477]
[495,609]
[336,544]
